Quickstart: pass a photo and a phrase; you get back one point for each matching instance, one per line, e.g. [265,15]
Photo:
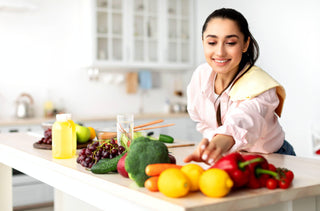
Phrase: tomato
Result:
[289,175]
[272,183]
[284,183]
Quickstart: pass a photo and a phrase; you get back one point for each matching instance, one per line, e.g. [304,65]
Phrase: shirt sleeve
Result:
[245,120]
[196,103]
[192,92]
[193,104]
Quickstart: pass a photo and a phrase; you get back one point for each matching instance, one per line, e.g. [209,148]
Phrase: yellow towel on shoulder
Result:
[255,82]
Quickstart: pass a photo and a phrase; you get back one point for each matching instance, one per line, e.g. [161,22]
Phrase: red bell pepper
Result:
[259,172]
[272,167]
[237,168]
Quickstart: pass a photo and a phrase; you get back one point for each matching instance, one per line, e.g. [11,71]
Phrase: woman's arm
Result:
[243,125]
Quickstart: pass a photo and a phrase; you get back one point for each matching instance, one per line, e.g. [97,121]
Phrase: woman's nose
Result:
[220,51]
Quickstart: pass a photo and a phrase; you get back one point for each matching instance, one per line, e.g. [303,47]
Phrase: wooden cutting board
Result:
[49,146]
[132,82]
[81,146]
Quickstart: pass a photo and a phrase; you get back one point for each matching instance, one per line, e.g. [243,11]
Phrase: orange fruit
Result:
[92,133]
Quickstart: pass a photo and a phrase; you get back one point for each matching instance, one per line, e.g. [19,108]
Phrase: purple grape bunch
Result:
[95,151]
[47,139]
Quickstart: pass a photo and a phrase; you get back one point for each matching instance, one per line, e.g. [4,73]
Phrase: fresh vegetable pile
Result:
[105,156]
[233,171]
[147,162]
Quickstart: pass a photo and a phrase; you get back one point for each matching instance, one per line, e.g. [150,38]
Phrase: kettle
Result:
[24,107]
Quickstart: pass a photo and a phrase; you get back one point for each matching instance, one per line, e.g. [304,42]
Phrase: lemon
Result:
[215,183]
[173,183]
[92,133]
[193,172]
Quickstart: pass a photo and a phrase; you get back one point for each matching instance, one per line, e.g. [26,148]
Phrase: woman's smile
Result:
[221,62]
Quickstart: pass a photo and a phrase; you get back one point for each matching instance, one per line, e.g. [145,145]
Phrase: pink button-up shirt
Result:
[252,122]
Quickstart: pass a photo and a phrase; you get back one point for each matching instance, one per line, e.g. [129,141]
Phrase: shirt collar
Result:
[207,88]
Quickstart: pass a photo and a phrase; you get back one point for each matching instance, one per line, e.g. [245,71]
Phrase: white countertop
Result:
[66,175]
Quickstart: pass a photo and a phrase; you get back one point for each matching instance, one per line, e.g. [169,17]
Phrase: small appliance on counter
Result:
[24,106]
[178,108]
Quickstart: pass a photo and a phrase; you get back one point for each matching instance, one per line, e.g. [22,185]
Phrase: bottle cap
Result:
[69,116]
[62,117]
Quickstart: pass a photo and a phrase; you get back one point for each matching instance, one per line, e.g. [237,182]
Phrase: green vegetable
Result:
[143,152]
[106,165]
[124,140]
[165,138]
[140,138]
[137,134]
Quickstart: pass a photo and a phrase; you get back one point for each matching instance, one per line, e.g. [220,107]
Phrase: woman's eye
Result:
[231,43]
[211,43]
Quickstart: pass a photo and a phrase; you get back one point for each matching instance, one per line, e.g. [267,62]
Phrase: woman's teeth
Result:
[221,61]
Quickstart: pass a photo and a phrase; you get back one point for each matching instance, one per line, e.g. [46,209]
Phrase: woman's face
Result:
[223,45]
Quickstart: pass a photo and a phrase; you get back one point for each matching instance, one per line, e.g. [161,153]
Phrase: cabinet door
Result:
[145,31]
[179,34]
[139,34]
[109,30]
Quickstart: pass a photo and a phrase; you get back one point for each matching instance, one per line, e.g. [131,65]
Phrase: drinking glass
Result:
[125,129]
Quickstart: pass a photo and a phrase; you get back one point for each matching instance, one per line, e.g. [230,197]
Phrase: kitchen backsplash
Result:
[76,94]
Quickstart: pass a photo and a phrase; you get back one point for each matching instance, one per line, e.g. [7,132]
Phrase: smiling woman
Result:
[224,45]
[236,104]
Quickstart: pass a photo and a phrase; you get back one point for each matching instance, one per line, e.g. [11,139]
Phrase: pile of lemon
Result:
[192,177]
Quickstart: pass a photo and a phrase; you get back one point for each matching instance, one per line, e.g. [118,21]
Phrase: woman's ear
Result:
[246,45]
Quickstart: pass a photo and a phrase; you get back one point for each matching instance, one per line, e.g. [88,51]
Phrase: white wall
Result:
[41,51]
[288,32]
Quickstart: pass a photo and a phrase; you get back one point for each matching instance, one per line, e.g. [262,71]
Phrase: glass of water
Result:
[125,129]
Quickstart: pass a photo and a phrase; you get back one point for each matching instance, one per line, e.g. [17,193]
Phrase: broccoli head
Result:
[142,152]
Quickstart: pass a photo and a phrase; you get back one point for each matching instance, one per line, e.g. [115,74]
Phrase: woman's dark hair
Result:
[249,57]
[252,53]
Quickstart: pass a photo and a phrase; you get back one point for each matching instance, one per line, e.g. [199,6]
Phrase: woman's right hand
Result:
[211,152]
[197,154]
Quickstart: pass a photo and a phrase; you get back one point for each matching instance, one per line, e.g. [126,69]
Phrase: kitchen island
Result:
[78,189]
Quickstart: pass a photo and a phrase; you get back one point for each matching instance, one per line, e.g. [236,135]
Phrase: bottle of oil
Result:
[62,137]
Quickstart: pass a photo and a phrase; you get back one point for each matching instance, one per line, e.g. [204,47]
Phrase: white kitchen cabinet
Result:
[20,128]
[137,34]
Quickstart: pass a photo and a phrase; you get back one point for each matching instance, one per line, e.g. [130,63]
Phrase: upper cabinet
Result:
[179,24]
[136,34]
[109,30]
